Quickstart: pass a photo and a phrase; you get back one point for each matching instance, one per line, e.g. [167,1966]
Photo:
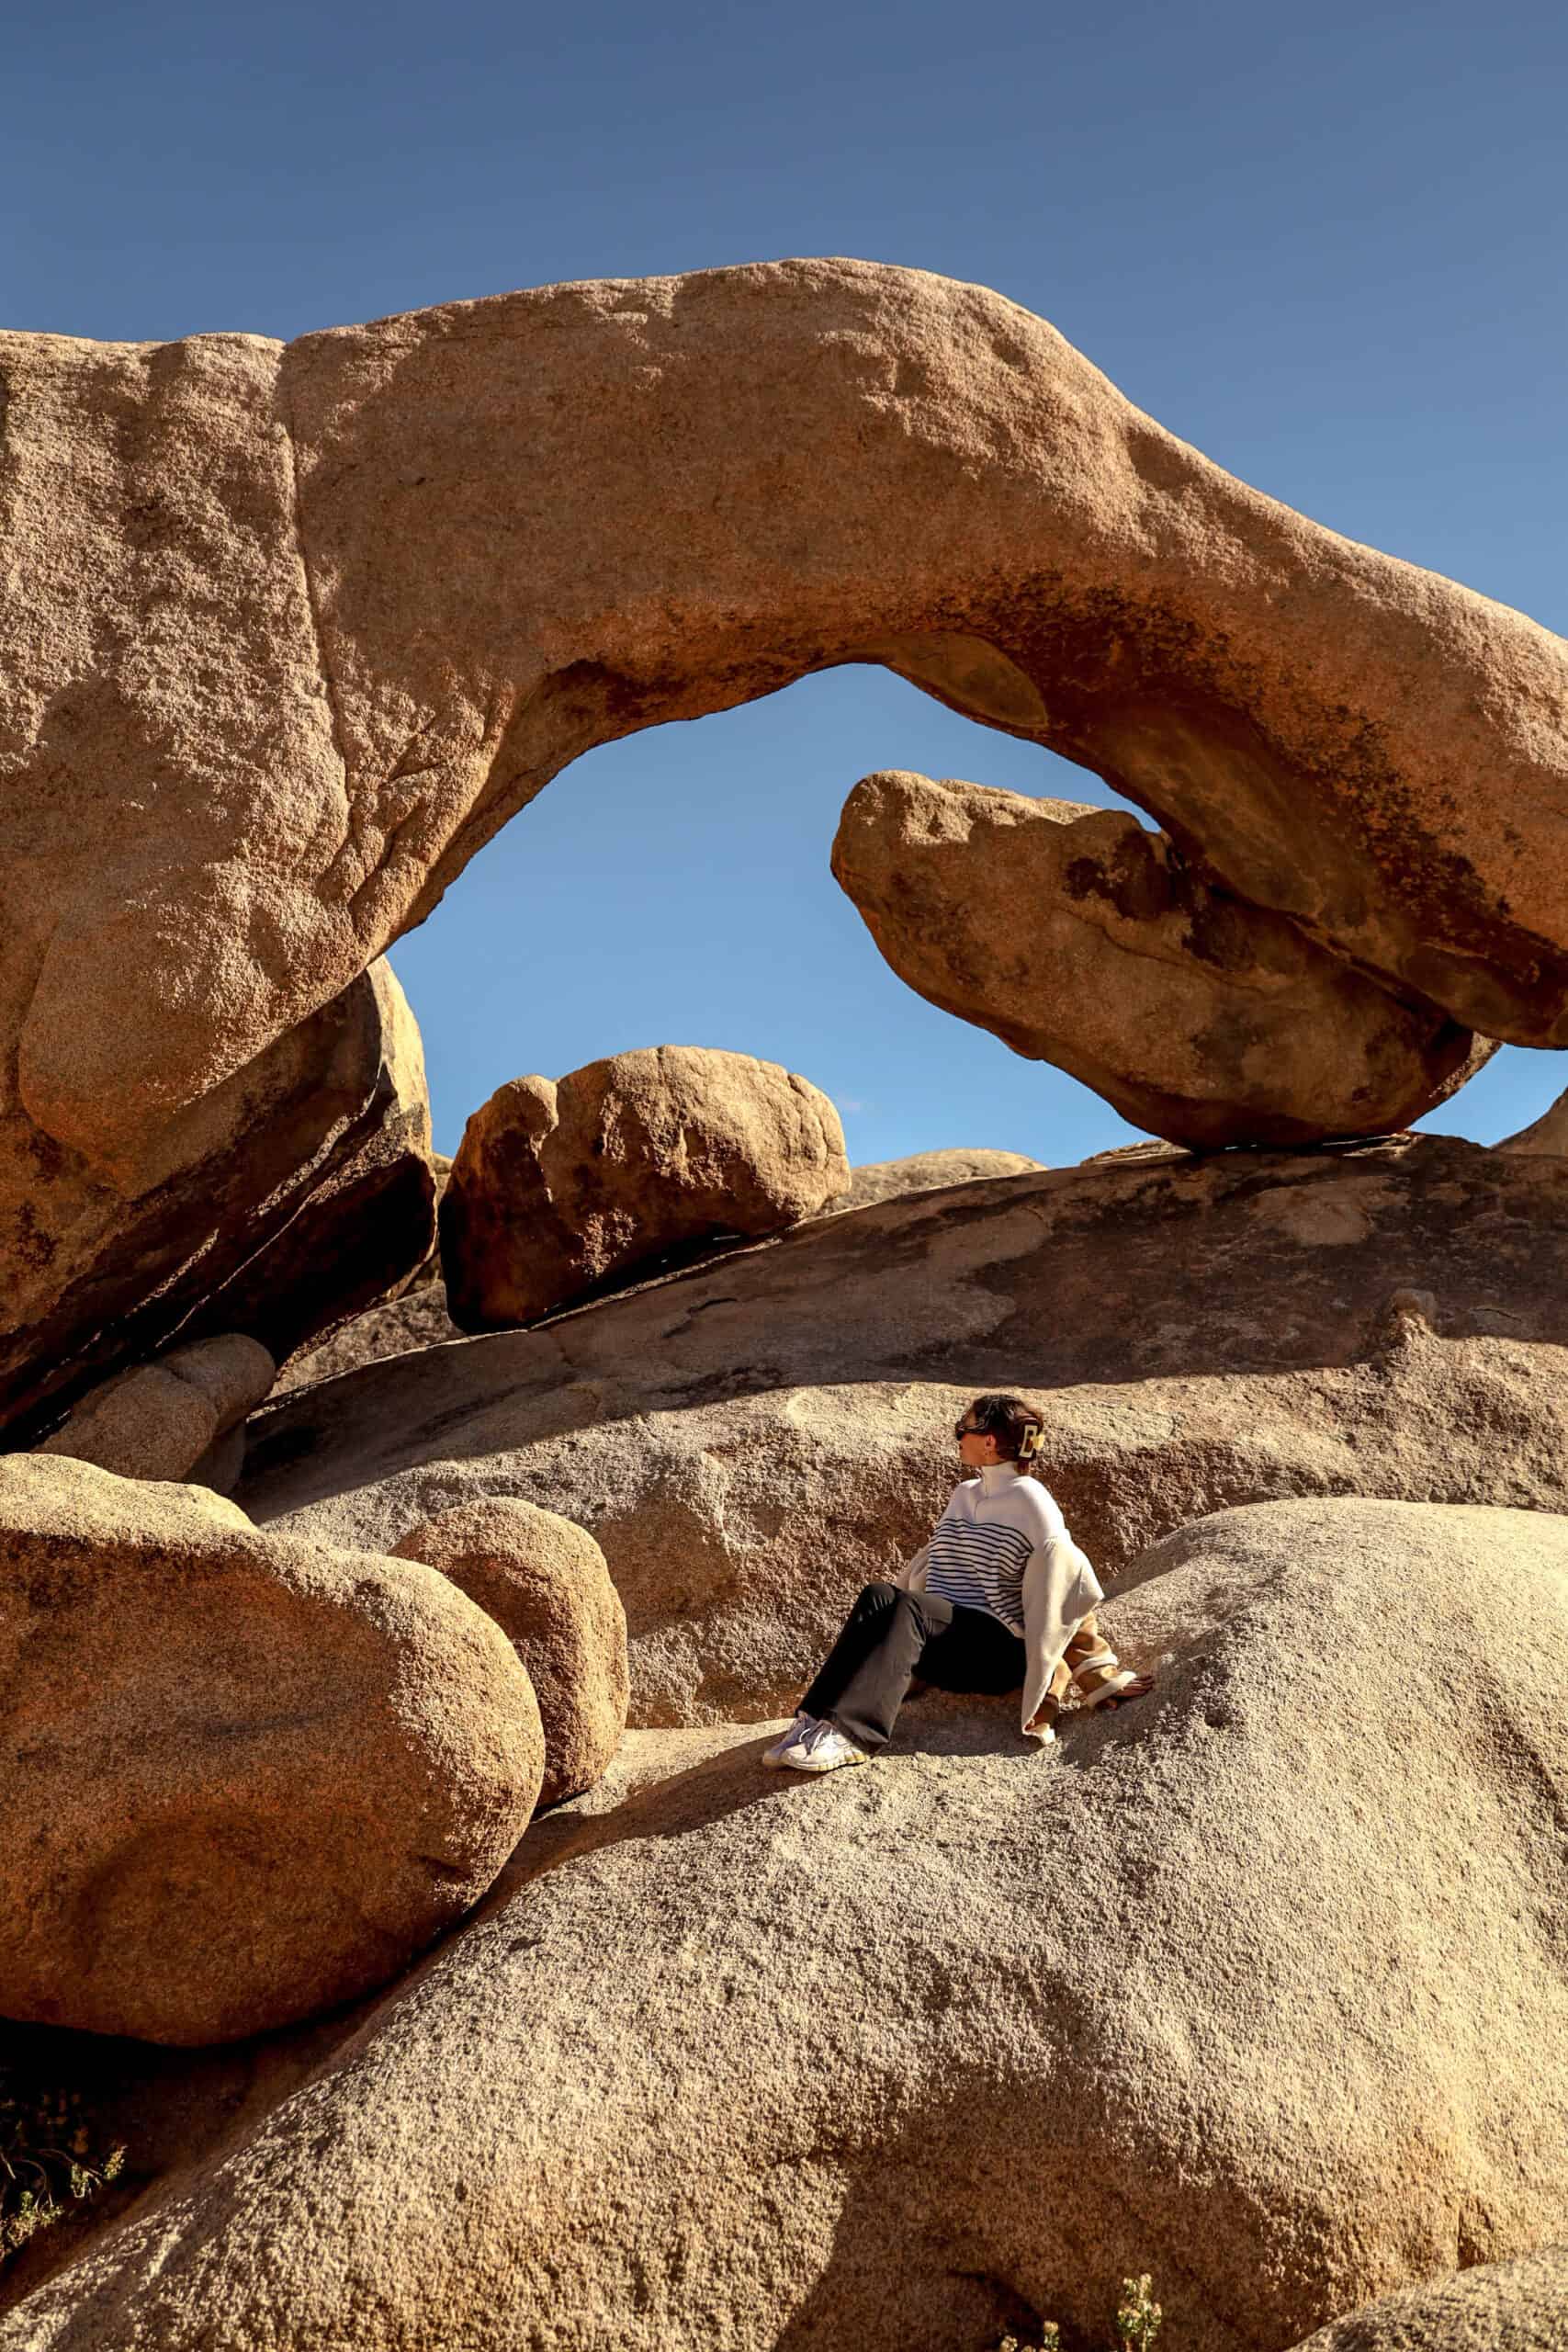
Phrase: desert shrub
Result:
[48,2160]
[1137,2323]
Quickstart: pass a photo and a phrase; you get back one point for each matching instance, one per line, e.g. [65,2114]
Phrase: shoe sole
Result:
[808,1764]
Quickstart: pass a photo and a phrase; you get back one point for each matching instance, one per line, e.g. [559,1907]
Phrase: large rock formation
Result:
[559,1185]
[956,2042]
[751,1441]
[354,600]
[288,1199]
[1081,939]
[1502,2307]
[545,1582]
[241,1777]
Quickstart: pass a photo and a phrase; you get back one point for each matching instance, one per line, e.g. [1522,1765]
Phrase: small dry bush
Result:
[1137,2323]
[48,2161]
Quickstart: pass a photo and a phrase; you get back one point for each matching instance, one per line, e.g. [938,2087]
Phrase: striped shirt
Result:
[977,1566]
[982,1546]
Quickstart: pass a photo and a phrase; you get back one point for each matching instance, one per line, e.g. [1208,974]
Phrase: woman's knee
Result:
[880,1596]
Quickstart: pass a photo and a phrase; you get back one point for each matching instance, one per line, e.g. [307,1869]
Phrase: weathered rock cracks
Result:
[242,1777]
[286,1201]
[958,2041]
[1081,939]
[749,1443]
[558,1186]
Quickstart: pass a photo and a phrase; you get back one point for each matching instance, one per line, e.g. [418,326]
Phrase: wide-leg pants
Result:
[892,1636]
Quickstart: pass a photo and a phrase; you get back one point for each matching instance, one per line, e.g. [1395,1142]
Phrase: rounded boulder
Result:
[244,1777]
[560,1185]
[545,1581]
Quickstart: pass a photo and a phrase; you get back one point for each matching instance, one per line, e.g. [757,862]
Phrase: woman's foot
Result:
[822,1749]
[1120,1691]
[775,1756]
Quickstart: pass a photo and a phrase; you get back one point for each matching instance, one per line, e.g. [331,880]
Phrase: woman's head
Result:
[997,1428]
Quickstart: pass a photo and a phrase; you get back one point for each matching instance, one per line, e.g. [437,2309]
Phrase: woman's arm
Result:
[912,1574]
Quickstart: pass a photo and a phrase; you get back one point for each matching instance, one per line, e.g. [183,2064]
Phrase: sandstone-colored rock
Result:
[242,1777]
[291,1197]
[928,1172]
[1546,1136]
[941,2047]
[1520,2306]
[559,1185]
[311,676]
[545,1582]
[367,1231]
[417,1319]
[751,1441]
[1502,2307]
[1081,939]
[162,1420]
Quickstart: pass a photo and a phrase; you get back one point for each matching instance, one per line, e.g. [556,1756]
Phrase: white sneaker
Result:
[823,1748]
[802,1723]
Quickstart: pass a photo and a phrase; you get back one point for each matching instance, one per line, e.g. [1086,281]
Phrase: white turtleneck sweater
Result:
[1002,1545]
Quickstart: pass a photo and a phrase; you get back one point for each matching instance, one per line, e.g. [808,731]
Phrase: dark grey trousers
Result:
[892,1636]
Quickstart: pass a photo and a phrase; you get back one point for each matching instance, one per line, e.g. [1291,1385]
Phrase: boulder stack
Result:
[243,1778]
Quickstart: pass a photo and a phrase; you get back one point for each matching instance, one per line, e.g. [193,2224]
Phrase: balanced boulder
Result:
[162,1420]
[242,1777]
[557,1186]
[1081,939]
[544,1580]
[1260,1985]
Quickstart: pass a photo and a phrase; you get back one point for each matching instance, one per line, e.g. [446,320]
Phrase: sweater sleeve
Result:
[1060,1588]
[912,1574]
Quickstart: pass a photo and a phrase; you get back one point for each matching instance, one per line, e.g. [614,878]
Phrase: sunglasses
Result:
[968,1428]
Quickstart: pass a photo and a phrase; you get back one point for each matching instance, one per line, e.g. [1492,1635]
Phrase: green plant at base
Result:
[1138,2316]
[1137,2323]
[47,2159]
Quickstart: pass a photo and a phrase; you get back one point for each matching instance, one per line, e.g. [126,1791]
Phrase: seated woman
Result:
[1000,1598]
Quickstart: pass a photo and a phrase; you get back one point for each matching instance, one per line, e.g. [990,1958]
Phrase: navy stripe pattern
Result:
[981,1567]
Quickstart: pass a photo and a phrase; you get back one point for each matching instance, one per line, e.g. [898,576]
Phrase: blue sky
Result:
[1326,245]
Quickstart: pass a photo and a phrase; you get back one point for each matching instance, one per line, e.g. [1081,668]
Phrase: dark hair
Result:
[1015,1424]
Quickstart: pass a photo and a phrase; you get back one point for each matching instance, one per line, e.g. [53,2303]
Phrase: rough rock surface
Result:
[545,1582]
[1502,2307]
[161,1419]
[751,1441]
[418,1318]
[241,1777]
[1082,939]
[1079,938]
[558,1185]
[928,1172]
[1546,1136]
[926,2051]
[293,1196]
[312,677]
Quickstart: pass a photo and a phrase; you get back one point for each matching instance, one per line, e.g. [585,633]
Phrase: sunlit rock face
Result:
[287,632]
[1079,938]
[353,599]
